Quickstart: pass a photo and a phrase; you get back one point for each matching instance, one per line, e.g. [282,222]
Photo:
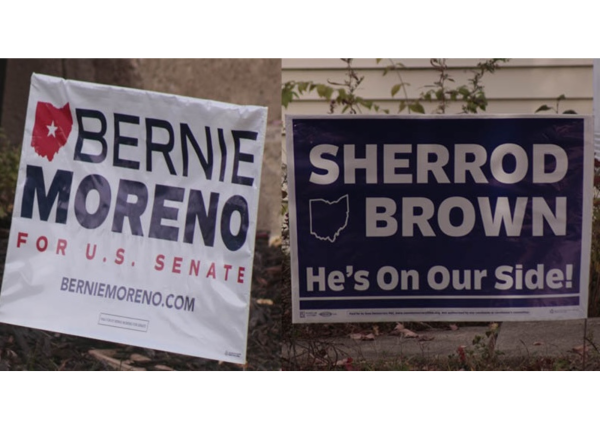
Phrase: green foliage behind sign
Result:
[442,92]
[9,170]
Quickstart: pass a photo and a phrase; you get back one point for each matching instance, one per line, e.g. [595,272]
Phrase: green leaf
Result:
[569,112]
[464,91]
[470,107]
[543,108]
[396,88]
[561,97]
[402,106]
[286,97]
[367,103]
[416,107]
[324,91]
[302,86]
[321,91]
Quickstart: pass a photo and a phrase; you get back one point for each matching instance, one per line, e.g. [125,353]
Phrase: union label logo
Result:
[51,129]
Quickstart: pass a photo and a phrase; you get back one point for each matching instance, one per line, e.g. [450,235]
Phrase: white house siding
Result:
[520,86]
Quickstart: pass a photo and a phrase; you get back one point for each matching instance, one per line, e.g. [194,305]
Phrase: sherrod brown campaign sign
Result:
[435,217]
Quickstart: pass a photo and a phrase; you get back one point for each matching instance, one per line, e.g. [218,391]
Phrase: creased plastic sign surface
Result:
[135,218]
[452,218]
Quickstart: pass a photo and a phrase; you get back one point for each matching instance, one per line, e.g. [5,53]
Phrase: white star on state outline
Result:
[51,129]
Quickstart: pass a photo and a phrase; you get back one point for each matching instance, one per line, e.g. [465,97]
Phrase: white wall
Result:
[519,86]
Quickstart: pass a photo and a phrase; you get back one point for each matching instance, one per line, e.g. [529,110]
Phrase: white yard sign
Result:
[135,218]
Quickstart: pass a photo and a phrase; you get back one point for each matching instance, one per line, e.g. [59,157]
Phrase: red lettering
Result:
[227,268]
[45,245]
[211,271]
[159,263]
[177,264]
[241,274]
[195,267]
[87,252]
[61,246]
[120,257]
[21,238]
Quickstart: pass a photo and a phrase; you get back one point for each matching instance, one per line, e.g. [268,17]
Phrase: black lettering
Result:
[206,162]
[60,188]
[93,182]
[223,147]
[164,193]
[206,219]
[134,210]
[239,156]
[238,204]
[90,135]
[164,148]
[129,141]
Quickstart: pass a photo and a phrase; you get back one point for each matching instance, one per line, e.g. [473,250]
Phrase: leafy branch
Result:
[555,109]
[9,170]
[339,95]
[413,106]
[472,95]
[343,95]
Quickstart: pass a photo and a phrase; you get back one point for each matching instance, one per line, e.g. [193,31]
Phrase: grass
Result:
[480,355]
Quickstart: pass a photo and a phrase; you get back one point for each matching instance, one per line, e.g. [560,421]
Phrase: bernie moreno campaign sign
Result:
[473,218]
[135,216]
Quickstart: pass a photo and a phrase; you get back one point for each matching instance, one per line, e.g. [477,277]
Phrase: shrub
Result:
[9,170]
